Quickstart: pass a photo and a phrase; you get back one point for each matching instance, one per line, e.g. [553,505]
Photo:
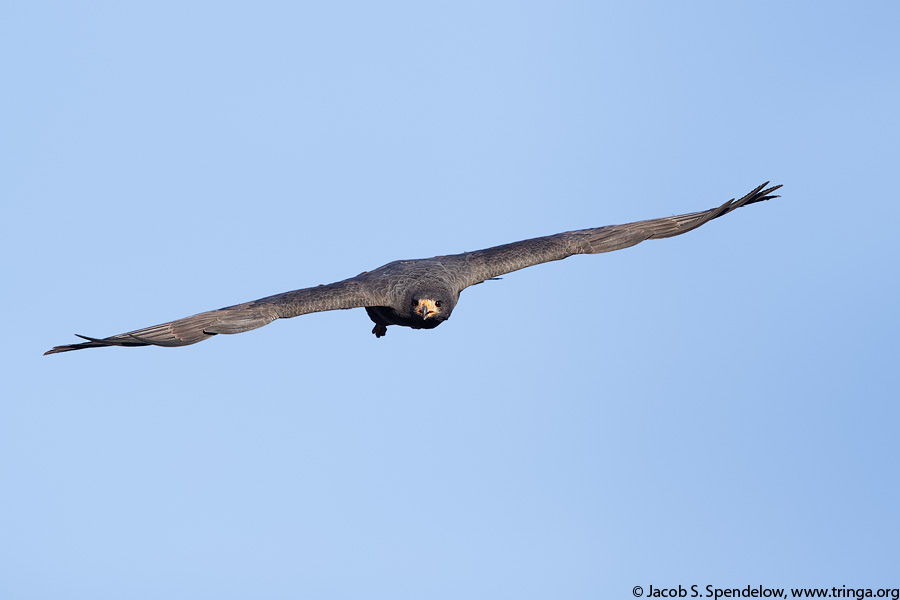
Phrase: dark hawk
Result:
[414,293]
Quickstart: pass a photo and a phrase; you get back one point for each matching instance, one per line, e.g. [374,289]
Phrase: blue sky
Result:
[718,408]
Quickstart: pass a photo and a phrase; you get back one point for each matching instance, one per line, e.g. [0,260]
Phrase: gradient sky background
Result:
[719,408]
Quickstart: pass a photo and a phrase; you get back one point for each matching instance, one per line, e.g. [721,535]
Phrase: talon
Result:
[379,331]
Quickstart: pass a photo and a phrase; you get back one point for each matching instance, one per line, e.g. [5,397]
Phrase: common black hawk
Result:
[414,293]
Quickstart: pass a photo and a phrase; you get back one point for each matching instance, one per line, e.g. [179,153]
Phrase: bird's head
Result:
[431,306]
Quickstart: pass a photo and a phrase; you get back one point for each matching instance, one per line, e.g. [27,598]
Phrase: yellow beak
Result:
[426,308]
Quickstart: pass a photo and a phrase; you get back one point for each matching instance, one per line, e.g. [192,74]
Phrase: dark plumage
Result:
[414,293]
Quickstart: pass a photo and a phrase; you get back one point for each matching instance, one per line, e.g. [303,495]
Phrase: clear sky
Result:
[717,409]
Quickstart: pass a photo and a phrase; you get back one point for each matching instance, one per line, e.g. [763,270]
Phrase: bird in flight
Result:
[414,293]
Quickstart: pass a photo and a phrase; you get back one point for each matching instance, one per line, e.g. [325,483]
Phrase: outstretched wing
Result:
[350,293]
[491,262]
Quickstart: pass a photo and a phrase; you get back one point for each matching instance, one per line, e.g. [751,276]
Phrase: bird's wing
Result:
[350,293]
[491,262]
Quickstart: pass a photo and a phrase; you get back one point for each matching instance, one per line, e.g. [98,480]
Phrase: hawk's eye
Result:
[438,304]
[415,302]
